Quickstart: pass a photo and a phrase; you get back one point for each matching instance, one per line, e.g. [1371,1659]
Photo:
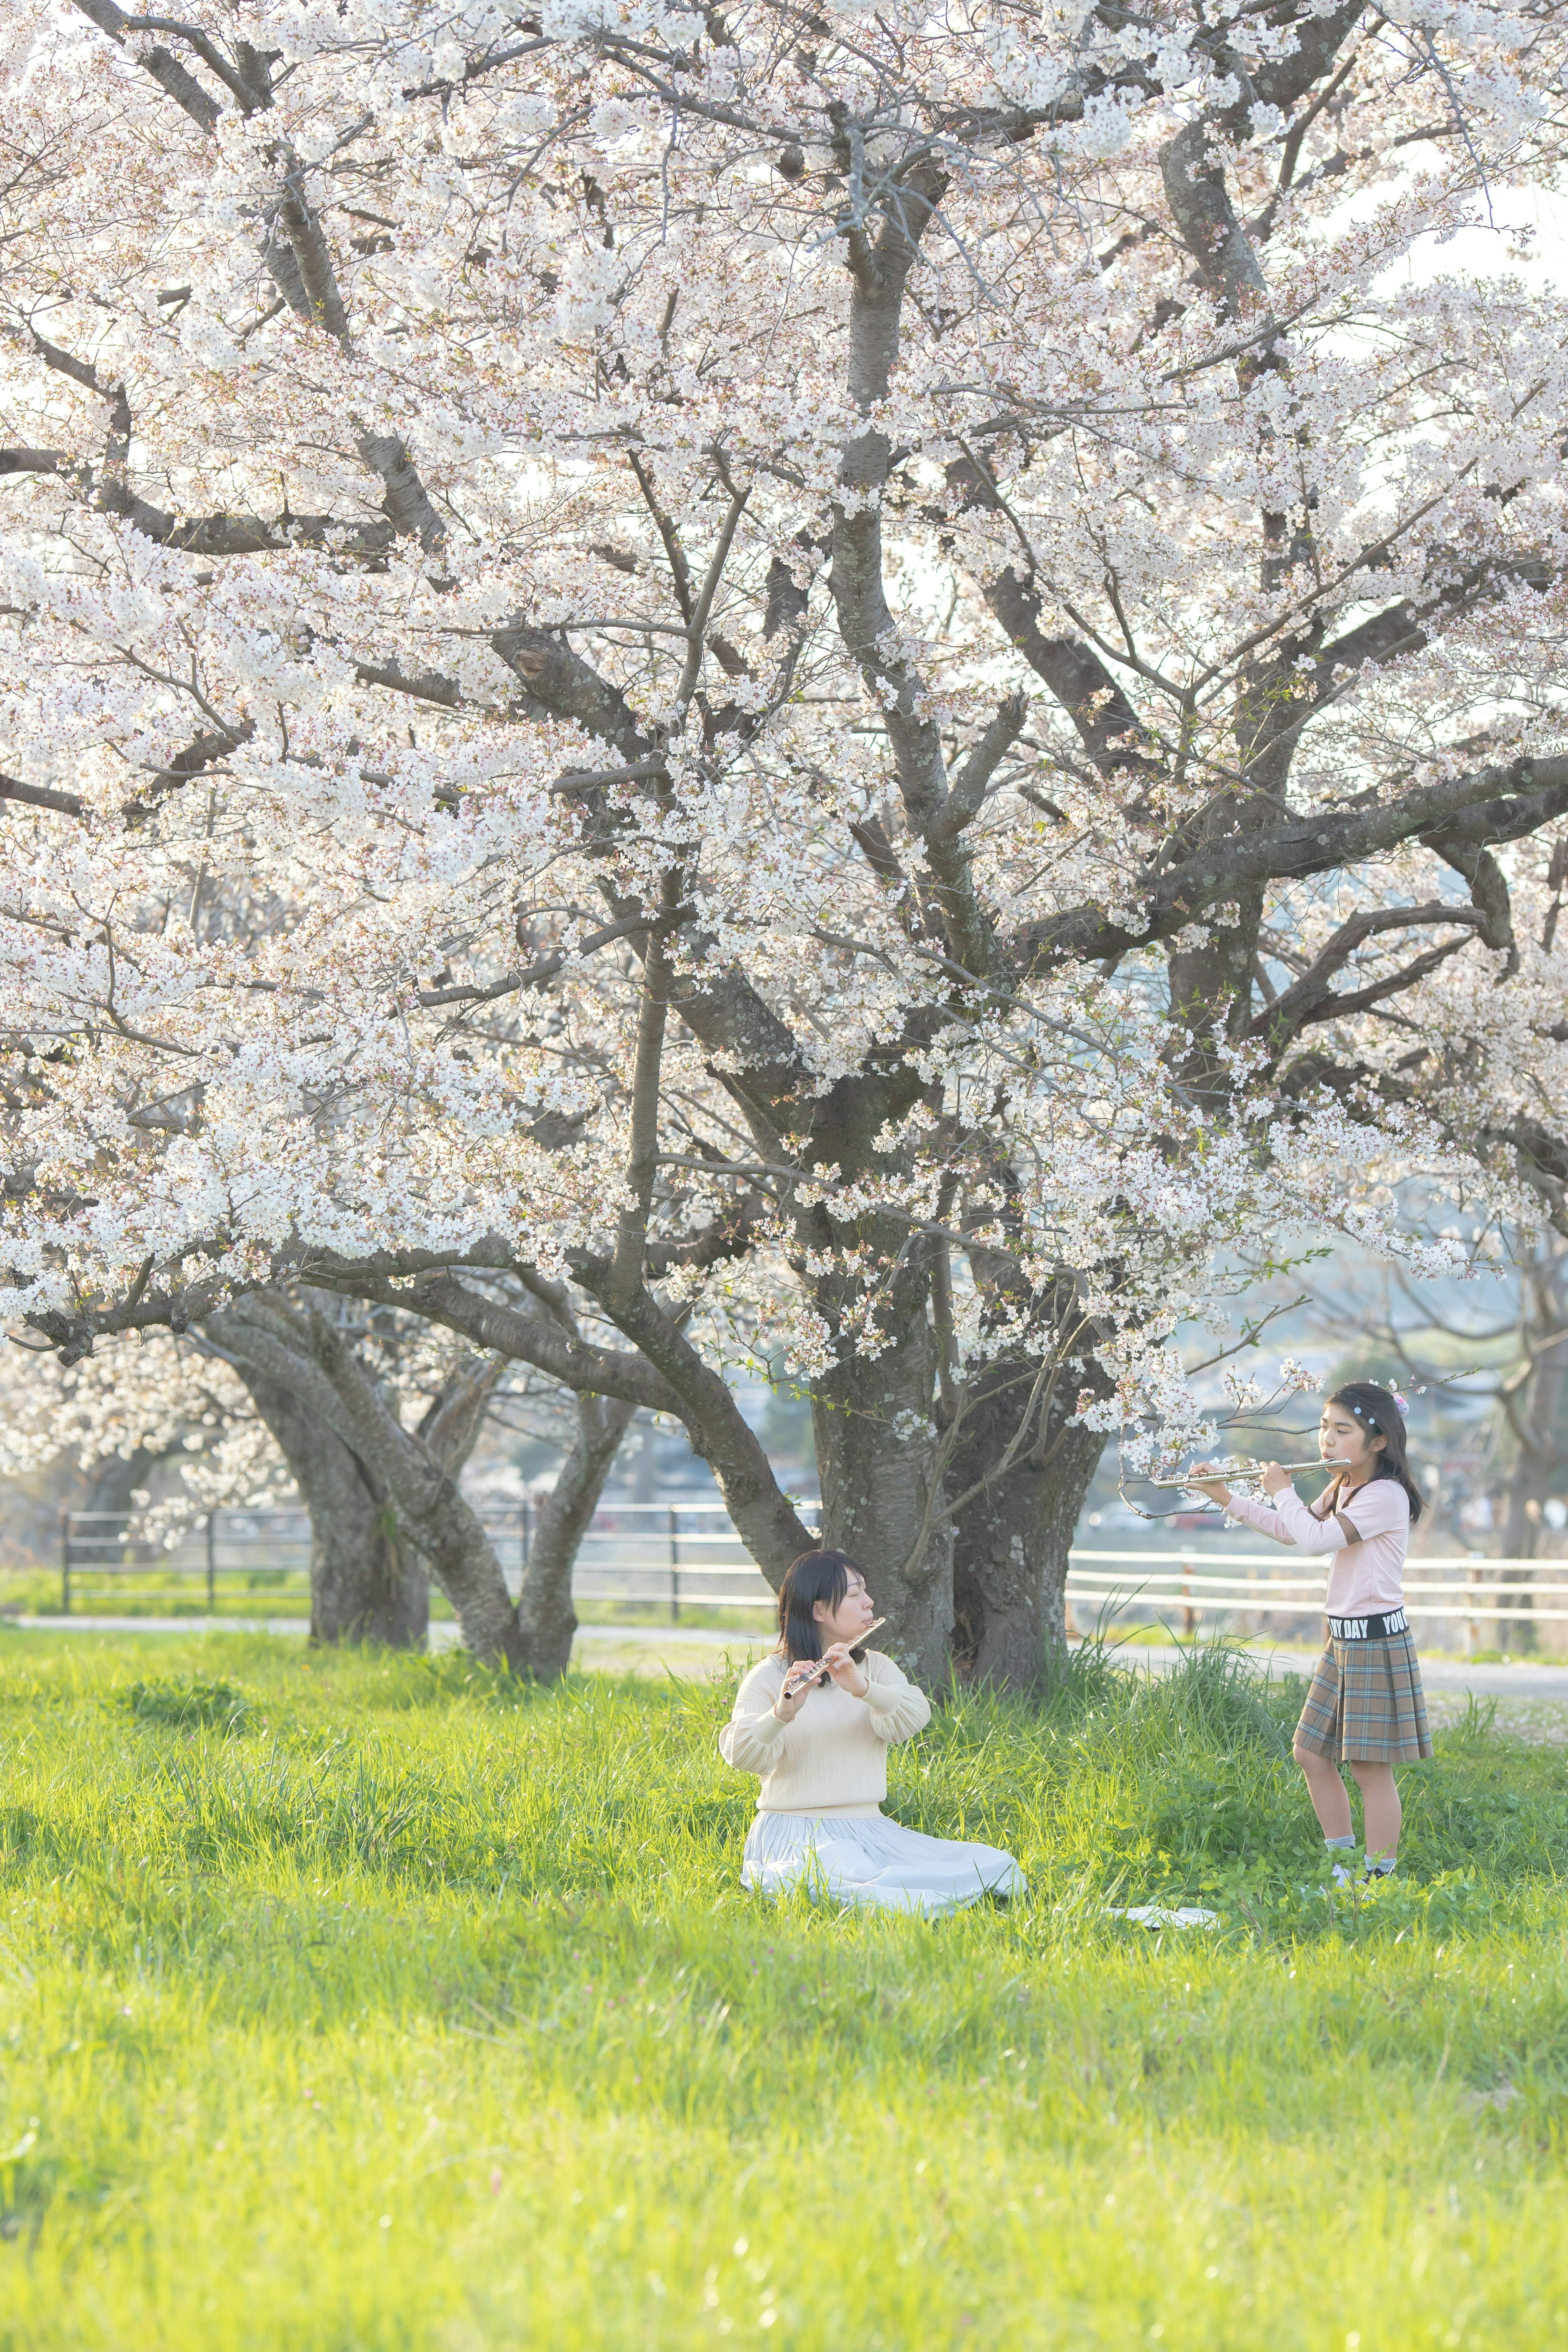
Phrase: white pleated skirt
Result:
[866,1858]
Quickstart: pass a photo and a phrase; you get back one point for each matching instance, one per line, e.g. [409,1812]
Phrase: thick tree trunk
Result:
[114,1478]
[877,1451]
[316,1363]
[1528,1491]
[428,1503]
[544,1612]
[1013,1534]
[367,1585]
[1537,1418]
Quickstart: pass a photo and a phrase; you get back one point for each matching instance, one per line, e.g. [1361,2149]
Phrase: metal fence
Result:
[668,1556]
[671,1556]
[95,1544]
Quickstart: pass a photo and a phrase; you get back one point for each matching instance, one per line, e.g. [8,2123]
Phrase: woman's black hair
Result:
[815,1576]
[1378,1412]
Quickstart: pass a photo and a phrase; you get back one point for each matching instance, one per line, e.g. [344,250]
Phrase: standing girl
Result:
[1367,1707]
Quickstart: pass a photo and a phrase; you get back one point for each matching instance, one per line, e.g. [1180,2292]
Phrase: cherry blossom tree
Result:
[122,1414]
[380,1483]
[376,1418]
[693,680]
[366,1420]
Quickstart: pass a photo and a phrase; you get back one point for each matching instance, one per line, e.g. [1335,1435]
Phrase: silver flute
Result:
[812,1669]
[1246,1472]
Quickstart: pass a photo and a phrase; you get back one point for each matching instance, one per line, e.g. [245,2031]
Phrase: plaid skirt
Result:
[1366,1705]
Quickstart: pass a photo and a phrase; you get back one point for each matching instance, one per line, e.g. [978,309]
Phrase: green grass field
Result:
[353,2003]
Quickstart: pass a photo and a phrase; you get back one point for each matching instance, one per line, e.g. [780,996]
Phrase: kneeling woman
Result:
[817,1719]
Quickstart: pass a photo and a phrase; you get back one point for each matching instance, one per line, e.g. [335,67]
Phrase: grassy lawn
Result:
[353,2003]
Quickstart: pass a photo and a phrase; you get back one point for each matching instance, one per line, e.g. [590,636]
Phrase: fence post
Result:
[674,1567]
[64,1563]
[1472,1585]
[212,1562]
[1189,1615]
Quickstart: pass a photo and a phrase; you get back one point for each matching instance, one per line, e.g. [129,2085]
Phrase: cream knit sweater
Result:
[833,1759]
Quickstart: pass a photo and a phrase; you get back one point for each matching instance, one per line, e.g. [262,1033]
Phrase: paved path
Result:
[1517,1680]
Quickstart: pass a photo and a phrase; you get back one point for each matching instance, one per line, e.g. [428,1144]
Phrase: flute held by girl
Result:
[814,1721]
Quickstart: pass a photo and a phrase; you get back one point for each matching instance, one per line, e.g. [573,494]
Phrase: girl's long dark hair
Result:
[815,1576]
[1377,1411]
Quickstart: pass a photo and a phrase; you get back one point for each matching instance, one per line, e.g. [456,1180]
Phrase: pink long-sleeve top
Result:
[1366,1577]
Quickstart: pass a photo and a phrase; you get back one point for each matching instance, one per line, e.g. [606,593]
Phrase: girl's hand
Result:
[844,1671]
[1213,1486]
[791,1698]
[1274,1480]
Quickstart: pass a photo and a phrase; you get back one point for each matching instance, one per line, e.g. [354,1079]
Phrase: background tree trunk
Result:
[544,1610]
[424,1494]
[114,1478]
[367,1585]
[1013,1534]
[315,1363]
[877,1452]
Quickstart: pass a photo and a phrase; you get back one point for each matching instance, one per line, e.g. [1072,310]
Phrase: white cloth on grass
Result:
[864,1858]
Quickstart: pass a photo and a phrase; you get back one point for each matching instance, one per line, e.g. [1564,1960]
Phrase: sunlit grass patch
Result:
[380,2002]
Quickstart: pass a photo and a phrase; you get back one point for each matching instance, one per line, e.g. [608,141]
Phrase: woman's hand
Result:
[1212,1485]
[792,1696]
[806,1673]
[1274,1480]
[844,1671]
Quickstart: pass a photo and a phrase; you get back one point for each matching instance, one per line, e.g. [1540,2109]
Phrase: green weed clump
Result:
[188,1704]
[428,2013]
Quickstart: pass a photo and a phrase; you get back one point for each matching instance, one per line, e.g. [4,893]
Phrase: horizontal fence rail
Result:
[1454,1587]
[667,1556]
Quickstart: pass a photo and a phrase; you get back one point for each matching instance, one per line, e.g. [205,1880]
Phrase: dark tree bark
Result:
[762,1515]
[878,1458]
[314,1364]
[1012,1536]
[389,1498]
[426,1498]
[544,1610]
[114,1478]
[366,1583]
